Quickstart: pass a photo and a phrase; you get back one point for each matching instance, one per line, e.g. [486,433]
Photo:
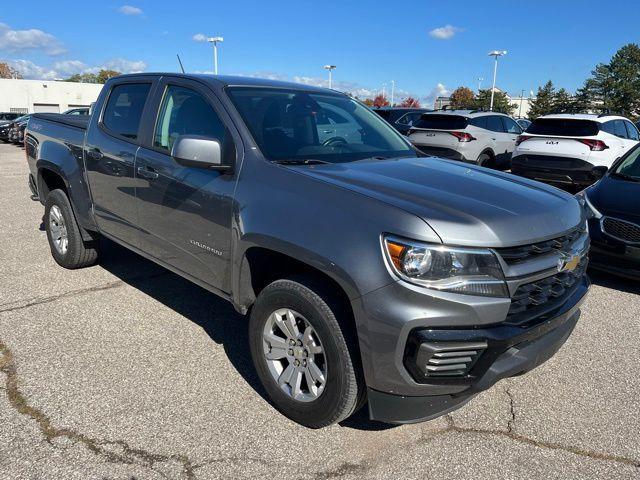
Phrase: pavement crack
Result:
[31,302]
[512,411]
[115,451]
[510,434]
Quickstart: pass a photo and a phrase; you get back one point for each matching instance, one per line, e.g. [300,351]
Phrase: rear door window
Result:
[480,122]
[563,127]
[494,123]
[124,108]
[442,122]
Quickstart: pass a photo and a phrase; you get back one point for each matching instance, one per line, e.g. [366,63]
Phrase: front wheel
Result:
[301,354]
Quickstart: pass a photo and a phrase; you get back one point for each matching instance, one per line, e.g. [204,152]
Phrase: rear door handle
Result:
[95,153]
[147,172]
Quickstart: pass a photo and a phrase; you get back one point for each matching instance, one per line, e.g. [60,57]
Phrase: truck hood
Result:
[464,204]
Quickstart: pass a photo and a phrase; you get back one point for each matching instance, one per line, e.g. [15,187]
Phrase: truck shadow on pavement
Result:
[215,315]
[614,282]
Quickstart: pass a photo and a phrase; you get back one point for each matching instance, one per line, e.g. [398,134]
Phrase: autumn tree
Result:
[104,75]
[410,102]
[368,102]
[7,71]
[462,98]
[380,100]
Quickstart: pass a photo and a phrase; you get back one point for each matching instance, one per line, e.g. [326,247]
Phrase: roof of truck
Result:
[235,80]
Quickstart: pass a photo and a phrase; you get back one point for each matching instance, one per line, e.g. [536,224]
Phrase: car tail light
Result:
[522,138]
[463,136]
[594,145]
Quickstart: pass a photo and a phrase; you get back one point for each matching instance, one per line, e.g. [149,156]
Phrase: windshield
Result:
[630,166]
[298,125]
[563,127]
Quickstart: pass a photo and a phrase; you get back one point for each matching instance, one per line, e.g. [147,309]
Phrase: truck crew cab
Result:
[370,274]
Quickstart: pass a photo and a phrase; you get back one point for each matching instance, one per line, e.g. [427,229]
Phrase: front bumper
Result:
[611,255]
[510,350]
[554,170]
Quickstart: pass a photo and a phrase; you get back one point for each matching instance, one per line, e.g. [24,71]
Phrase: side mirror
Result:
[599,172]
[199,152]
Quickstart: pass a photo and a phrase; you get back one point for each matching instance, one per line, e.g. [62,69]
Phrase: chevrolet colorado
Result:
[371,274]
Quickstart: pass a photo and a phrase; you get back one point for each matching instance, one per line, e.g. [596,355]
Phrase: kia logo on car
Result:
[551,142]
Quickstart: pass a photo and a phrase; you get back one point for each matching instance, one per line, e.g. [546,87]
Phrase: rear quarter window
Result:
[441,122]
[564,127]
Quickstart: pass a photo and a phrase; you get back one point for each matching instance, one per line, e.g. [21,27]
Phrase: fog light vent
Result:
[448,359]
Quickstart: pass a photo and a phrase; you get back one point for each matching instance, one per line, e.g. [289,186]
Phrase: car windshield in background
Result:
[441,122]
[630,166]
[290,125]
[563,127]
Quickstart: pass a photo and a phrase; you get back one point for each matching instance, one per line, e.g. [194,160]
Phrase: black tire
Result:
[78,253]
[485,160]
[344,390]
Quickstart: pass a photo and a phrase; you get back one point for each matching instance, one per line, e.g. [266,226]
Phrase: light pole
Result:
[521,100]
[495,54]
[331,68]
[480,79]
[215,41]
[393,90]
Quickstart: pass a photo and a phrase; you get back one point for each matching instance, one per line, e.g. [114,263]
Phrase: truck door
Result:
[185,212]
[110,150]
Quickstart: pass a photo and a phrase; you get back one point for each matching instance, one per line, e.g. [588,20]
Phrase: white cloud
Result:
[199,37]
[440,90]
[29,40]
[444,33]
[66,68]
[130,10]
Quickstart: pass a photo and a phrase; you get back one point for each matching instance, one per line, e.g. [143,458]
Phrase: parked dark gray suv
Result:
[370,274]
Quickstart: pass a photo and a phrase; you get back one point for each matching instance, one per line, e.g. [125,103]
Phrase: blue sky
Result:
[427,47]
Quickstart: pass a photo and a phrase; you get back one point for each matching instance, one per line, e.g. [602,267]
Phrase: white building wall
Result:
[42,95]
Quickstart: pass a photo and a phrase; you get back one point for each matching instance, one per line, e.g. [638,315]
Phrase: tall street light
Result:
[393,89]
[331,68]
[215,41]
[495,54]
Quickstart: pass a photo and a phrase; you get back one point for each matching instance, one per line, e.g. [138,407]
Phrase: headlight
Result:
[588,208]
[451,269]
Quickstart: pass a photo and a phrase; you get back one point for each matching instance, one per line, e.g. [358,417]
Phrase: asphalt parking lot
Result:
[126,371]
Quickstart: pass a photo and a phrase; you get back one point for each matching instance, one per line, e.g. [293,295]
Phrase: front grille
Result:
[539,298]
[621,229]
[522,253]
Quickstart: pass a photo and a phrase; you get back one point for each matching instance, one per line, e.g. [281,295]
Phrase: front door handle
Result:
[147,172]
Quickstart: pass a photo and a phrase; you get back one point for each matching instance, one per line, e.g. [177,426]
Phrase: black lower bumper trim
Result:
[518,359]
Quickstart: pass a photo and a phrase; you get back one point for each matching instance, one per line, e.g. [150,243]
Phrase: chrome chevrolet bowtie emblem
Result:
[568,262]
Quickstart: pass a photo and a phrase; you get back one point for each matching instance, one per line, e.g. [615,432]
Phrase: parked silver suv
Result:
[484,138]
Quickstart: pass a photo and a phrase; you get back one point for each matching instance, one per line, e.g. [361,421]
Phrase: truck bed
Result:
[78,121]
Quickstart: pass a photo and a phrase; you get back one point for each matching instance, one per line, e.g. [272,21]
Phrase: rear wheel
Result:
[63,233]
[485,160]
[301,354]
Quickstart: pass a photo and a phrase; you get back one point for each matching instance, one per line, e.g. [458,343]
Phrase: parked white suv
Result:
[485,138]
[572,149]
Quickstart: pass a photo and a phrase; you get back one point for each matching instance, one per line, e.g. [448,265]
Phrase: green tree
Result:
[563,102]
[101,77]
[582,100]
[544,102]
[616,85]
[462,98]
[500,101]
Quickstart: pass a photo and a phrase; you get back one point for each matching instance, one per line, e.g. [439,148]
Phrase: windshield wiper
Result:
[301,161]
[624,176]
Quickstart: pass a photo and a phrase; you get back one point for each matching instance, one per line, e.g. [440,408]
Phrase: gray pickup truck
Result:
[371,274]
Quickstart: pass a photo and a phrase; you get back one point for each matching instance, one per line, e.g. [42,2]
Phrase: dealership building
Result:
[35,96]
